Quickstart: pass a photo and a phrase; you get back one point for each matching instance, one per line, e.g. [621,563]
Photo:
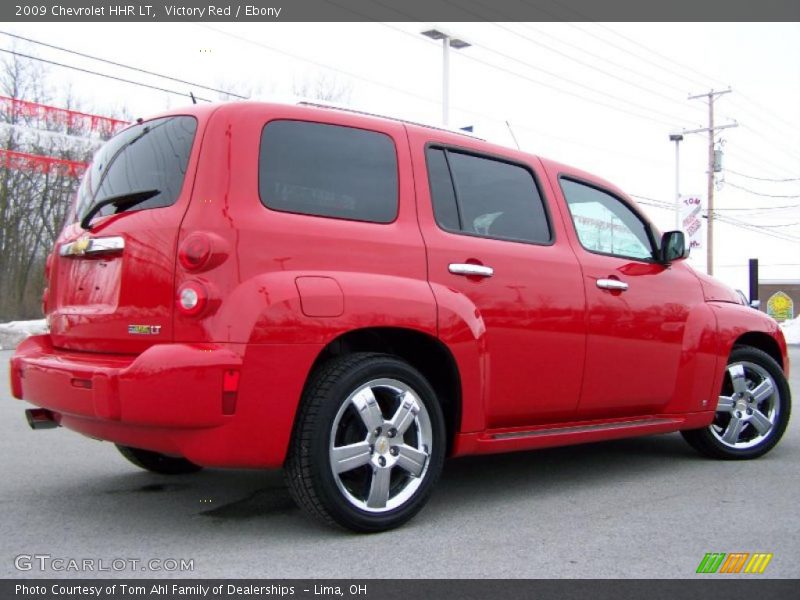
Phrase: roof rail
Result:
[380,116]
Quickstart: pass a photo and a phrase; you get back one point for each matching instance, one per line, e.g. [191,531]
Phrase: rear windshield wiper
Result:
[122,202]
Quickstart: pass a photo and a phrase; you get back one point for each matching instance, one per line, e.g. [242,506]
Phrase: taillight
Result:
[230,387]
[192,298]
[195,252]
[45,293]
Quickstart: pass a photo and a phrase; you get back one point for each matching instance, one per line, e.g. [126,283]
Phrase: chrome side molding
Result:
[582,428]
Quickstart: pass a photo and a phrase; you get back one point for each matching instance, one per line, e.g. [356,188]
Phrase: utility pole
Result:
[677,138]
[711,96]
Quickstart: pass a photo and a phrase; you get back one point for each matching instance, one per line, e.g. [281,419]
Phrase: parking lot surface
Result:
[640,508]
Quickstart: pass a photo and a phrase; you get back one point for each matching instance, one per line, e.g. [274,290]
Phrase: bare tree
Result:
[323,86]
[35,199]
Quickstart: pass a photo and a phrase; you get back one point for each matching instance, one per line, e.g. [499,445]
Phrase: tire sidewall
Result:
[747,354]
[335,503]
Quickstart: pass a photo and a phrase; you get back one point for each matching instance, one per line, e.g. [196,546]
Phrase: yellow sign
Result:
[780,307]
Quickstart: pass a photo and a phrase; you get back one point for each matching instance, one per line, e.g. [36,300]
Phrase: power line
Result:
[755,228]
[323,65]
[767,112]
[90,72]
[604,59]
[770,142]
[787,179]
[663,57]
[754,161]
[571,93]
[744,189]
[634,42]
[761,208]
[116,64]
[572,58]
[557,76]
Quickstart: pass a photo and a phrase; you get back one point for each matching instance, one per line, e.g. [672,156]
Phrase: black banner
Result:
[391,10]
[393,589]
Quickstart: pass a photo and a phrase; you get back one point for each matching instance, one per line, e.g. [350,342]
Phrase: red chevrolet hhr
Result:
[354,298]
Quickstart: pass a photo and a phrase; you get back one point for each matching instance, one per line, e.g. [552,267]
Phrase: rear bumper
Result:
[170,385]
[171,397]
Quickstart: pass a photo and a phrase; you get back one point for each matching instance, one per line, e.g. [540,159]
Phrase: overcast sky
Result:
[602,97]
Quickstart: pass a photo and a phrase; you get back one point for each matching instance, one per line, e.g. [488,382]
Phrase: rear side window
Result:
[328,171]
[483,196]
[150,156]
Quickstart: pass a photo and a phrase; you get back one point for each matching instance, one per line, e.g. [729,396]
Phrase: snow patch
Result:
[791,330]
[13,332]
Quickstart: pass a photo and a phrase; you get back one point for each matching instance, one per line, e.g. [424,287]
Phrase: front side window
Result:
[328,171]
[483,196]
[605,224]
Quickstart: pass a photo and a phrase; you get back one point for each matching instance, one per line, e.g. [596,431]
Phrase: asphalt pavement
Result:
[639,508]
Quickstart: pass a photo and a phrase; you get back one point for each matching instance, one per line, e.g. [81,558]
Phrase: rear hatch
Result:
[111,287]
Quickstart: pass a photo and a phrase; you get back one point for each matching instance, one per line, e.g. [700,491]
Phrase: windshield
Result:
[149,156]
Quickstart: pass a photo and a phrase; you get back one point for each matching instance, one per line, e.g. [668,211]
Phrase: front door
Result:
[637,308]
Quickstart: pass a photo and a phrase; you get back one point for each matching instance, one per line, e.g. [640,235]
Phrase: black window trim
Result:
[303,214]
[490,156]
[648,227]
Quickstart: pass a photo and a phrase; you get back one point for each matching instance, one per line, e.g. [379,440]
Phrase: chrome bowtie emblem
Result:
[79,246]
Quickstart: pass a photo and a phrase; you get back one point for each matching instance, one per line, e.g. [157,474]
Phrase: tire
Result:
[158,463]
[386,415]
[752,411]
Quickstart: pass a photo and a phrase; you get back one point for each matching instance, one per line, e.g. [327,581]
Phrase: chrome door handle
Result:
[612,284]
[470,270]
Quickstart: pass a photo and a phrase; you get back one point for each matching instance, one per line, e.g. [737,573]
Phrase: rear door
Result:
[112,287]
[498,260]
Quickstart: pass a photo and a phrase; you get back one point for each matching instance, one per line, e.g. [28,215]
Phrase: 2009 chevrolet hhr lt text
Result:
[354,298]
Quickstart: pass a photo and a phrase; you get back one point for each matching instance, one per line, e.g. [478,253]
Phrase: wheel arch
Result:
[762,341]
[422,351]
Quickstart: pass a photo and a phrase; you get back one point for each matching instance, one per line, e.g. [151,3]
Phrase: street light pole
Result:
[445,81]
[677,138]
[448,42]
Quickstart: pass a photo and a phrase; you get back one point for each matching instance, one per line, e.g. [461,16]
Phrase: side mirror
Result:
[673,247]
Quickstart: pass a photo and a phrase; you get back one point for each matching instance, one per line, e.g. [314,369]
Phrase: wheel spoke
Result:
[379,488]
[352,456]
[405,414]
[760,422]
[731,435]
[725,404]
[411,459]
[368,409]
[738,379]
[763,390]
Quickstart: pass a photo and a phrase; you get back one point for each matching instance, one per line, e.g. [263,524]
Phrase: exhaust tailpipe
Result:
[41,418]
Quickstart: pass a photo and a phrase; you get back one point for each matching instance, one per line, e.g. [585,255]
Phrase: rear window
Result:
[328,171]
[150,156]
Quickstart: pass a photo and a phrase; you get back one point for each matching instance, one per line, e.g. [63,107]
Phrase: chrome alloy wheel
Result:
[748,409]
[380,445]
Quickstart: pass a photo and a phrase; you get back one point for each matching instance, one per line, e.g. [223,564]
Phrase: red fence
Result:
[10,159]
